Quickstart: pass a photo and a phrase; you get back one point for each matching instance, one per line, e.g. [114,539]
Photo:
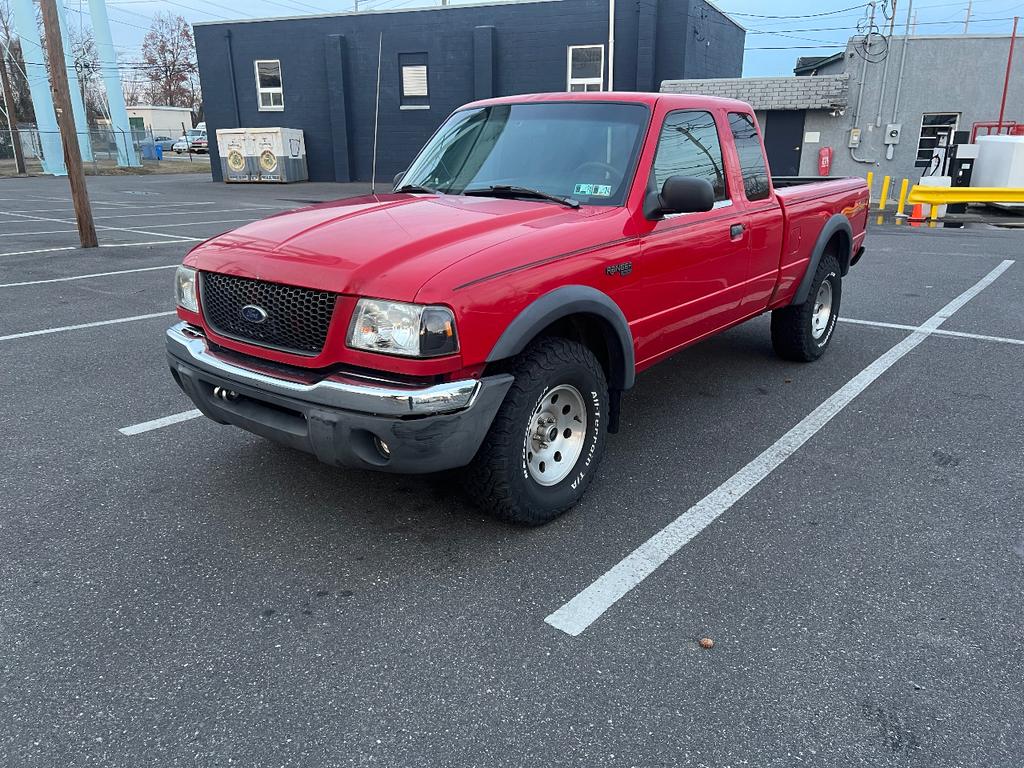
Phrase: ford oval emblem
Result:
[253,314]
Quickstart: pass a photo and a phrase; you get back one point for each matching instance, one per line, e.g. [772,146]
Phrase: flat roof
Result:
[383,11]
[153,106]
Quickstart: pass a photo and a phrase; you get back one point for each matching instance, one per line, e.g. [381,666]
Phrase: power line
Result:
[857,7]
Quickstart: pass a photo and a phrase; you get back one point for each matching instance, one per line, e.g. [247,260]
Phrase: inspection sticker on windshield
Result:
[593,190]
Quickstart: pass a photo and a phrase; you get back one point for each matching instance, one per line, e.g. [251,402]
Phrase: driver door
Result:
[694,264]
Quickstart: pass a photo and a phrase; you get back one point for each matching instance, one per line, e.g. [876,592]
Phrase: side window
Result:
[752,162]
[689,146]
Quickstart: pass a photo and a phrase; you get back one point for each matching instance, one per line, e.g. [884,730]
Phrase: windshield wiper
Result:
[506,190]
[416,188]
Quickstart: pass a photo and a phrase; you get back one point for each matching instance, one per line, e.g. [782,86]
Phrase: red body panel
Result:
[488,259]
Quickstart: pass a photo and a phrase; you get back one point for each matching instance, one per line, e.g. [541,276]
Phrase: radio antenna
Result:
[376,116]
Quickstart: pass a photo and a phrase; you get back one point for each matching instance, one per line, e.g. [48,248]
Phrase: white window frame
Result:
[570,81]
[260,90]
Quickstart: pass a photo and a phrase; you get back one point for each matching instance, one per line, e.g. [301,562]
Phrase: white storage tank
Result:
[1000,163]
[237,160]
[280,154]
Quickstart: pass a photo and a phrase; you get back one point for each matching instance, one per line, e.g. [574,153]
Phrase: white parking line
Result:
[179,241]
[86,277]
[587,606]
[153,226]
[146,426]
[952,334]
[120,205]
[46,331]
[106,227]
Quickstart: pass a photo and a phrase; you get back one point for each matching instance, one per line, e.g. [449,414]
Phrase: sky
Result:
[777,31]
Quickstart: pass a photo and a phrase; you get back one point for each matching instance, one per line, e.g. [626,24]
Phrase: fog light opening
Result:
[382,447]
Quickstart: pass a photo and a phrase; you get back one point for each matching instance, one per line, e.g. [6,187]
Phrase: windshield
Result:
[581,150]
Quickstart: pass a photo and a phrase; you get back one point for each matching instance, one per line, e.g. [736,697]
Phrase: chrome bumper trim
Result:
[190,347]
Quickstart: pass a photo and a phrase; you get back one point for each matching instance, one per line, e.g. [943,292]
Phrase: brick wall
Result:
[823,92]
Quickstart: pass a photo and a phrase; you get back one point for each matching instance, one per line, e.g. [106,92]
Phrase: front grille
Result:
[296,320]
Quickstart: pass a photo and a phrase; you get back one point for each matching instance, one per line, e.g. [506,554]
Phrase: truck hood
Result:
[385,246]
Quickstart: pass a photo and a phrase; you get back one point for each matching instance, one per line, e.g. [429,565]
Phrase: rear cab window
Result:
[756,181]
[689,146]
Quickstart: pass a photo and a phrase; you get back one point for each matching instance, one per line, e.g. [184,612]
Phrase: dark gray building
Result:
[319,73]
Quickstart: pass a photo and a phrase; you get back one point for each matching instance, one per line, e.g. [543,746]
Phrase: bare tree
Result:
[134,88]
[169,59]
[10,54]
[87,66]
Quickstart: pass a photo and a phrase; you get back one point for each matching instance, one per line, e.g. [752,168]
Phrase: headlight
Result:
[185,289]
[411,330]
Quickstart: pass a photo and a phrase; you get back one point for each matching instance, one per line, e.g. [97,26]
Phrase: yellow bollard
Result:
[883,199]
[934,213]
[903,197]
[871,181]
[880,220]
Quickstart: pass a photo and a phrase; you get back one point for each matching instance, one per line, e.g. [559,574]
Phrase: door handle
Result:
[736,231]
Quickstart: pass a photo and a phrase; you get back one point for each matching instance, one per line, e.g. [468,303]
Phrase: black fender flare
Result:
[563,302]
[837,223]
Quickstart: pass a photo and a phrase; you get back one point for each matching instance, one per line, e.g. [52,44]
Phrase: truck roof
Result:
[673,100]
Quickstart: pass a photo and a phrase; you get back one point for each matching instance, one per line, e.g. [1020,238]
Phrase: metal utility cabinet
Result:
[280,154]
[237,159]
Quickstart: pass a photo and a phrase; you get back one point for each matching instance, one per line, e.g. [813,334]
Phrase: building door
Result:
[783,139]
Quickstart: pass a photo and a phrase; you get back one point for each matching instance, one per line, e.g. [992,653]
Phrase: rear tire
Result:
[802,332]
[547,439]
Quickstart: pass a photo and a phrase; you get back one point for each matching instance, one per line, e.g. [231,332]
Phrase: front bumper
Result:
[342,421]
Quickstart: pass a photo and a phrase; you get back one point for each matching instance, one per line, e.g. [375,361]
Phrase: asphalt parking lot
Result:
[177,593]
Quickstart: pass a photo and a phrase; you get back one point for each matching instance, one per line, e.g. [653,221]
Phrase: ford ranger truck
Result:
[489,312]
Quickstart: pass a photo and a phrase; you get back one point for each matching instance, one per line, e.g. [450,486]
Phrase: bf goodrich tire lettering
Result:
[802,332]
[506,478]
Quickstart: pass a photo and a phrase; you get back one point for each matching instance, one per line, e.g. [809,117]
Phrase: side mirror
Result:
[680,194]
[398,178]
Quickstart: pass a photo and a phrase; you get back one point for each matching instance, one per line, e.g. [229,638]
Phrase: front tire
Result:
[802,332]
[547,439]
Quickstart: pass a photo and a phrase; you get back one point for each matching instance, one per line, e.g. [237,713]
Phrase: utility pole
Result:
[66,122]
[967,18]
[19,157]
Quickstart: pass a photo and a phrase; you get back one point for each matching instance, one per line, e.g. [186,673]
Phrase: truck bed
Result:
[807,203]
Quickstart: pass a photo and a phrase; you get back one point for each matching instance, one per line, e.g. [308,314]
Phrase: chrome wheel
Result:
[554,438]
[822,310]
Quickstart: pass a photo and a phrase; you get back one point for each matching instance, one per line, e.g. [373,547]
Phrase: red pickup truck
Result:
[490,311]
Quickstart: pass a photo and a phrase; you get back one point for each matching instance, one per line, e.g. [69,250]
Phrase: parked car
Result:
[166,143]
[197,141]
[539,253]
[180,146]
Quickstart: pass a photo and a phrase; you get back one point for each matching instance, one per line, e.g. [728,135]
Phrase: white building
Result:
[162,121]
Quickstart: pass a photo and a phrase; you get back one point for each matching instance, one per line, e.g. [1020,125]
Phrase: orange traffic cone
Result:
[917,215]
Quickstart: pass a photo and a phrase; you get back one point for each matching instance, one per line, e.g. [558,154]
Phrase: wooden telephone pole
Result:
[66,121]
[19,157]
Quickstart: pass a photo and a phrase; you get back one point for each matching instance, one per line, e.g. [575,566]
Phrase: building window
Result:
[752,162]
[585,68]
[689,146]
[268,85]
[936,135]
[414,88]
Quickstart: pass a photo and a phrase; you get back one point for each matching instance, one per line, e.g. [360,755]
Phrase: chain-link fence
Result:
[103,147]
